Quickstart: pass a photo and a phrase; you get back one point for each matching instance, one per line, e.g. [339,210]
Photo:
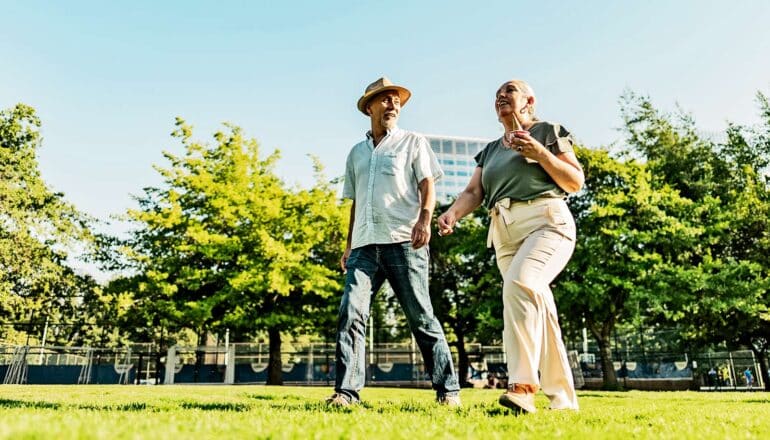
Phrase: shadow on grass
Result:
[217,406]
[501,412]
[314,406]
[272,397]
[10,403]
[403,408]
[609,395]
[133,406]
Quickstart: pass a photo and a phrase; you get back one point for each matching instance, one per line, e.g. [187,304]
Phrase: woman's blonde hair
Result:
[527,90]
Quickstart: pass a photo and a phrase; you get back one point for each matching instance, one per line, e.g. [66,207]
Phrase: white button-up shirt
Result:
[384,181]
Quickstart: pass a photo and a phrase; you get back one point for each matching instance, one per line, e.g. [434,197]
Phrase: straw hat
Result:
[382,85]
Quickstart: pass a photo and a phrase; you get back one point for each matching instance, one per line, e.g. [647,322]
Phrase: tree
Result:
[225,244]
[465,286]
[38,232]
[721,296]
[627,232]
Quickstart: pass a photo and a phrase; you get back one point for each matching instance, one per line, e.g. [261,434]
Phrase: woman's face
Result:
[509,99]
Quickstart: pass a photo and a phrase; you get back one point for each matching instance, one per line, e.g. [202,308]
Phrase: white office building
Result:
[455,155]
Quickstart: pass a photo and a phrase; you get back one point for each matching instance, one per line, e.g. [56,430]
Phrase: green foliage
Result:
[216,412]
[38,232]
[679,238]
[627,232]
[465,285]
[225,244]
[719,293]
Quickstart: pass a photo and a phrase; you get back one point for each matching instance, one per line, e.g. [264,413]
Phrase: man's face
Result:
[384,108]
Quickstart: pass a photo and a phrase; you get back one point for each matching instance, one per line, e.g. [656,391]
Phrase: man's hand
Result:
[420,234]
[344,260]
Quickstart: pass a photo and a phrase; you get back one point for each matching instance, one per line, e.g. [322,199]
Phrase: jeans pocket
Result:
[416,257]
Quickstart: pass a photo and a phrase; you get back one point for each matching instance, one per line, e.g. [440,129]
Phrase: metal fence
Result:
[313,364]
[137,363]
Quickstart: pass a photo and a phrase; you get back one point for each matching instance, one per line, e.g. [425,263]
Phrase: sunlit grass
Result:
[218,412]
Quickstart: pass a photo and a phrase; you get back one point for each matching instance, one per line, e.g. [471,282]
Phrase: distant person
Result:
[491,381]
[523,178]
[724,373]
[713,381]
[390,178]
[749,378]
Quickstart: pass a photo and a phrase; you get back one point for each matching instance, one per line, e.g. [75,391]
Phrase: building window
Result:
[446,147]
[435,145]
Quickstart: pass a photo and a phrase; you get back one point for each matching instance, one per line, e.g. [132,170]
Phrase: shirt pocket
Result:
[393,163]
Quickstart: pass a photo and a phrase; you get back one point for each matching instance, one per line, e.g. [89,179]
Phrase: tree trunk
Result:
[762,359]
[608,369]
[274,366]
[462,358]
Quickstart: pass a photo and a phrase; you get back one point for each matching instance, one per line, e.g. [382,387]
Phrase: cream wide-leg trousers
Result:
[533,242]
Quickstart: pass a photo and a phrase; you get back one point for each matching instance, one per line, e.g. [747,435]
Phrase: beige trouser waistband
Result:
[502,210]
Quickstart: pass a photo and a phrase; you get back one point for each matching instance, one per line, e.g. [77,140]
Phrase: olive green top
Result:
[505,173]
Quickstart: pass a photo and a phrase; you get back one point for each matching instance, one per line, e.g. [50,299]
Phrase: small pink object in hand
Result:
[509,135]
[508,138]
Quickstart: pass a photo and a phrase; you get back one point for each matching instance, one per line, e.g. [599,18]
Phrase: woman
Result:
[523,178]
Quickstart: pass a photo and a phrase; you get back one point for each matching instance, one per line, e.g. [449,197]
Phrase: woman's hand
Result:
[528,146]
[446,223]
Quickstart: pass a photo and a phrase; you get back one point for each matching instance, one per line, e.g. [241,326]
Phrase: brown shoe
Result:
[338,400]
[520,398]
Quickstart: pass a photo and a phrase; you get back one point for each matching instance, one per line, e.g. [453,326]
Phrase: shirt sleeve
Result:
[425,163]
[349,186]
[560,141]
[481,156]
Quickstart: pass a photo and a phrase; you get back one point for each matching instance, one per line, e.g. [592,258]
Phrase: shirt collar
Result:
[388,132]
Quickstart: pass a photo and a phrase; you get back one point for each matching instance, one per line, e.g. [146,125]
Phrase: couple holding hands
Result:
[523,178]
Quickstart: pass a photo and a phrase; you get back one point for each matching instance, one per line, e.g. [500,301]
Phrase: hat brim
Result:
[403,93]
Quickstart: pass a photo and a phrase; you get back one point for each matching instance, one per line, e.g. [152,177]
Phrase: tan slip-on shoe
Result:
[520,398]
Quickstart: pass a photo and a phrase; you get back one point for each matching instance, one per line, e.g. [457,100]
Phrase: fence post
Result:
[139,370]
[230,365]
[309,372]
[170,365]
[731,371]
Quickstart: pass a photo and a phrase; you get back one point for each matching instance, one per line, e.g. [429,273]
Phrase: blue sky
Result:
[108,78]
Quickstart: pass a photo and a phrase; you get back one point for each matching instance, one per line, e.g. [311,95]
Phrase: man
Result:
[389,176]
[749,378]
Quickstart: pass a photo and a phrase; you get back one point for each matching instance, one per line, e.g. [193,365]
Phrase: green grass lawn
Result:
[219,412]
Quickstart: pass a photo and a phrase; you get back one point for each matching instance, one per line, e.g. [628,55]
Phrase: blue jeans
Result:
[406,269]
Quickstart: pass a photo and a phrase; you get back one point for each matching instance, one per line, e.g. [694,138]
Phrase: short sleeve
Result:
[425,163]
[481,156]
[560,141]
[349,186]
